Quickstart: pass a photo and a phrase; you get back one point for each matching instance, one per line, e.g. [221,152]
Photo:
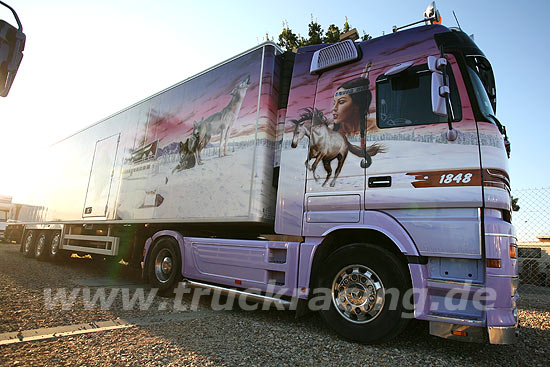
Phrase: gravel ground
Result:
[223,338]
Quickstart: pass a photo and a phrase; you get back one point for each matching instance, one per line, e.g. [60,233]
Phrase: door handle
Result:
[380,181]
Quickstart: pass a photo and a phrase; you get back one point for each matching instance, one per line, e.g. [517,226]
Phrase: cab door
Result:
[335,182]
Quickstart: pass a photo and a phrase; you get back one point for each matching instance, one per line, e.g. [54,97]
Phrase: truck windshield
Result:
[482,79]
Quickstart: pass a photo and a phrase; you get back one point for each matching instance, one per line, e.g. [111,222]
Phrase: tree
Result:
[366,36]
[290,41]
[333,34]
[315,32]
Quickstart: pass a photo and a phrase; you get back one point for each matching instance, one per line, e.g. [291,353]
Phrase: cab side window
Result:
[404,99]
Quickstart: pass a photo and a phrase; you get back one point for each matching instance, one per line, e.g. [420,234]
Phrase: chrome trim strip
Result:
[238,220]
[473,322]
[90,238]
[254,296]
[500,235]
[263,246]
[454,282]
[255,132]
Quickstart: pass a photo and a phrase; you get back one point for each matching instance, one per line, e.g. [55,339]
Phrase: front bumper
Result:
[475,334]
[503,334]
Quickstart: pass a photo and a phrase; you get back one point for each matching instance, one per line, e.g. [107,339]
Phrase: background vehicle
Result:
[18,214]
[5,206]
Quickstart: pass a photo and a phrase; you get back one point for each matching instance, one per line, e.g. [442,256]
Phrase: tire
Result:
[164,266]
[27,245]
[41,245]
[55,254]
[359,277]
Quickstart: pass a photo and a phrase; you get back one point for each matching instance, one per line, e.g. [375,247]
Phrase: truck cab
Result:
[404,151]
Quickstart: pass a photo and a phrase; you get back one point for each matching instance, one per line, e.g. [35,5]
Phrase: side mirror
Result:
[440,91]
[12,43]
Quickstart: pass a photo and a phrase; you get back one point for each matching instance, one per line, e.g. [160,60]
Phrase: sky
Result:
[85,60]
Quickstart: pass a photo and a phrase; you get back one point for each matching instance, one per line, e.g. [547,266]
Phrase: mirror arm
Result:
[14,15]
[451,134]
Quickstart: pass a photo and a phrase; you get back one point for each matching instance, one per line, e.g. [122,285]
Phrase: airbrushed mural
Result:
[343,134]
[204,149]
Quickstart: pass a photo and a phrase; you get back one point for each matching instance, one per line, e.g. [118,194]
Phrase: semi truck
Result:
[375,170]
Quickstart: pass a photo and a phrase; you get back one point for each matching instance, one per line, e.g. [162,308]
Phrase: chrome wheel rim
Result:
[54,248]
[358,294]
[164,265]
[40,245]
[28,243]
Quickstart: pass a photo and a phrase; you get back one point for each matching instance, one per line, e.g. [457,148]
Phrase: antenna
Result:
[459,27]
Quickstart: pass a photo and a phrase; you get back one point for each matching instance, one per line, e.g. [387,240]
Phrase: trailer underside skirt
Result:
[96,326]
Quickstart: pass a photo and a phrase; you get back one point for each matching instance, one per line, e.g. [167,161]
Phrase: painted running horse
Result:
[325,144]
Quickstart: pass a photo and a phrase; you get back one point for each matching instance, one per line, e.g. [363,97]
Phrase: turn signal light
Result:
[493,263]
[513,252]
[459,333]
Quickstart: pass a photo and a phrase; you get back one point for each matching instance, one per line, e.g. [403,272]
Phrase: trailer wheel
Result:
[164,266]
[363,281]
[27,246]
[41,245]
[54,251]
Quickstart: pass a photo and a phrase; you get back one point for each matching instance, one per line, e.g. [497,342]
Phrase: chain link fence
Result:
[531,219]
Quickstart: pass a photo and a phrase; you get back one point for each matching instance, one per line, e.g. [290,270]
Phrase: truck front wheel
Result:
[164,266]
[366,284]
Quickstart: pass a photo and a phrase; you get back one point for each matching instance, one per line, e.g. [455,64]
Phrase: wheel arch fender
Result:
[378,228]
[151,241]
[385,224]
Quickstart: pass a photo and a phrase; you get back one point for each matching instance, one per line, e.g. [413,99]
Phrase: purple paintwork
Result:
[307,254]
[419,274]
[373,220]
[501,317]
[499,279]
